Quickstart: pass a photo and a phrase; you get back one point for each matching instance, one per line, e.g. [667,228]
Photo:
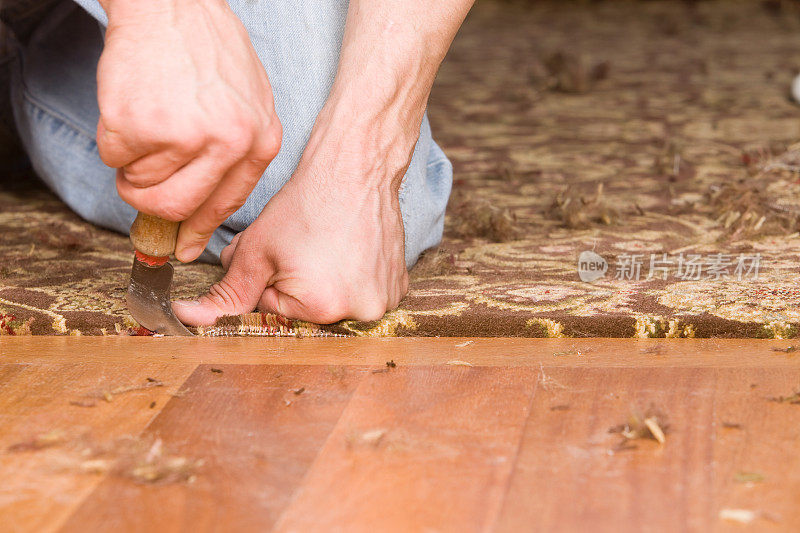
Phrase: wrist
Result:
[127,11]
[118,10]
[372,145]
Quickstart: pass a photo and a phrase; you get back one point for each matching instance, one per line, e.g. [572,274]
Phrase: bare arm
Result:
[189,134]
[340,251]
[390,55]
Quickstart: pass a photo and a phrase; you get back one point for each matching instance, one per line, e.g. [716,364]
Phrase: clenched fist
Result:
[186,113]
[328,246]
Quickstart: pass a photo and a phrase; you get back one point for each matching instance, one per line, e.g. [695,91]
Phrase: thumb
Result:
[236,293]
[280,303]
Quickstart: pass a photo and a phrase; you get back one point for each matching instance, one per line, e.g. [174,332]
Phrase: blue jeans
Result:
[54,100]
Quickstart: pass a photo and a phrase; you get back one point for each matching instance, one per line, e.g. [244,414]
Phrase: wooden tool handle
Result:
[154,236]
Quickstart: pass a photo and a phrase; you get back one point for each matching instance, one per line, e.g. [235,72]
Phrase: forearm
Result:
[390,54]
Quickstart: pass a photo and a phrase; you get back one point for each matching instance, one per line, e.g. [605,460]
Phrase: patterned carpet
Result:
[655,137]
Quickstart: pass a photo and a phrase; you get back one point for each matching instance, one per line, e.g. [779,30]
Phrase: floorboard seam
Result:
[89,494]
[492,526]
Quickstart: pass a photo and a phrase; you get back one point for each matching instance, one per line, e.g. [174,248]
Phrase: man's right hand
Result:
[186,113]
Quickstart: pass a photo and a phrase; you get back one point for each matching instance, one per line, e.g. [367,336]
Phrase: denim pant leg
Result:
[298,44]
[54,97]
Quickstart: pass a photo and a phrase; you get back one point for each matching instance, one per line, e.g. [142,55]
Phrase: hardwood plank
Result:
[464,448]
[764,444]
[574,353]
[256,450]
[43,436]
[8,371]
[418,449]
[570,472]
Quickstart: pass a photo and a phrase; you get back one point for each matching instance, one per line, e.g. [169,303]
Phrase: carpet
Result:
[623,169]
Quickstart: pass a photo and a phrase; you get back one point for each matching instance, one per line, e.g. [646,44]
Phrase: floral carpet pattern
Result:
[654,141]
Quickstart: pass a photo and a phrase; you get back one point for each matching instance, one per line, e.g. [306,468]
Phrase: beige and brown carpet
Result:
[636,130]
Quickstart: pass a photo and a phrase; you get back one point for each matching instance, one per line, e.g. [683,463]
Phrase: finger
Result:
[229,251]
[154,168]
[400,290]
[226,254]
[115,151]
[238,292]
[279,303]
[179,196]
[230,195]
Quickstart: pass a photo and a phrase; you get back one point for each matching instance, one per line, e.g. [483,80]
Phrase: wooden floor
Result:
[168,434]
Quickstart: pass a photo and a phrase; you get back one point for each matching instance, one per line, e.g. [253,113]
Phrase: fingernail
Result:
[190,253]
[186,303]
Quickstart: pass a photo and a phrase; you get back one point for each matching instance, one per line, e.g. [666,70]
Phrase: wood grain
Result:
[402,450]
[42,482]
[572,472]
[518,441]
[573,353]
[256,428]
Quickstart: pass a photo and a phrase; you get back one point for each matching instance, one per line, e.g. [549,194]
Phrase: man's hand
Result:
[328,245]
[186,113]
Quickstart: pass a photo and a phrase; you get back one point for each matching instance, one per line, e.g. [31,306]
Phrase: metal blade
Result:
[148,299]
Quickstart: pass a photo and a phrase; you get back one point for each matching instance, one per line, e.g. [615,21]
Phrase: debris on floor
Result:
[794,399]
[108,395]
[742,516]
[652,425]
[155,465]
[456,362]
[389,365]
[654,350]
[337,372]
[370,437]
[568,73]
[546,381]
[569,352]
[217,370]
[141,459]
[83,403]
[789,349]
[751,208]
[579,211]
[748,477]
[39,442]
[464,344]
[478,218]
[438,262]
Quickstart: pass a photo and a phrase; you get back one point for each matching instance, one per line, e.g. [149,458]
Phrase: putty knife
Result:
[151,276]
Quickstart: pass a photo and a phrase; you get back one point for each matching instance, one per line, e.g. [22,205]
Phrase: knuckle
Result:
[404,285]
[191,142]
[220,213]
[267,144]
[138,179]
[225,295]
[236,138]
[112,113]
[372,310]
[172,209]
[328,308]
[273,138]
